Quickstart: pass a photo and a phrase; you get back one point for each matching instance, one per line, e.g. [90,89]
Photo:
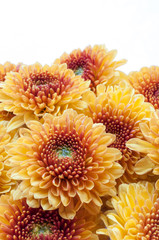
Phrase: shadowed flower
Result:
[64,163]
[149,146]
[93,63]
[6,116]
[13,122]
[135,215]
[121,111]
[19,221]
[35,90]
[8,67]
[146,82]
[5,182]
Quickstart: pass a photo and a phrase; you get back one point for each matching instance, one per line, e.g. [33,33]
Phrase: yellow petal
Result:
[143,166]
[140,145]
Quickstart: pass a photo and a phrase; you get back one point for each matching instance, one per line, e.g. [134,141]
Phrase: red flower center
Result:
[78,65]
[123,127]
[83,66]
[151,93]
[37,224]
[43,82]
[63,155]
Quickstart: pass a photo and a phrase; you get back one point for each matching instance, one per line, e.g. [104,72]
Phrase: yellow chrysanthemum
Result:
[6,116]
[19,221]
[93,63]
[121,111]
[146,82]
[135,215]
[5,182]
[35,90]
[8,67]
[149,146]
[64,163]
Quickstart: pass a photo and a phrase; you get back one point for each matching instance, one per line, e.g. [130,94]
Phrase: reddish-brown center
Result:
[43,82]
[84,66]
[151,92]
[123,127]
[63,155]
[37,224]
[41,89]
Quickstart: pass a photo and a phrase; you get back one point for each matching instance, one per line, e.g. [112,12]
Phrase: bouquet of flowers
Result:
[79,143]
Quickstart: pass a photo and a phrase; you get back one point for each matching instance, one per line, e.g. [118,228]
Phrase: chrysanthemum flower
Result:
[121,111]
[146,82]
[5,182]
[19,221]
[135,215]
[13,122]
[149,146]
[8,67]
[35,90]
[64,163]
[93,63]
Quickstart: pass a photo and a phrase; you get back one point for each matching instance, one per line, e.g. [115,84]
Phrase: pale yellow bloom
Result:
[135,214]
[149,147]
[121,111]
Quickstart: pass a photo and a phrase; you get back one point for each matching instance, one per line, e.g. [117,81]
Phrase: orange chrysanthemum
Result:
[146,82]
[8,67]
[64,163]
[6,116]
[5,182]
[93,63]
[121,111]
[135,215]
[19,221]
[35,90]
[149,146]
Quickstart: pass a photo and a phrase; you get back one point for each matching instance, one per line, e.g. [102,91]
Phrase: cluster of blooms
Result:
[79,143]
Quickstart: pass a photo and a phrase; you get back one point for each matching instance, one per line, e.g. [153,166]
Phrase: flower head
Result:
[19,221]
[8,67]
[64,163]
[146,82]
[93,63]
[149,147]
[6,183]
[121,111]
[135,214]
[35,90]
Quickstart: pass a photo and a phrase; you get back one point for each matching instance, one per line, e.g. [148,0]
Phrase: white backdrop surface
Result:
[41,31]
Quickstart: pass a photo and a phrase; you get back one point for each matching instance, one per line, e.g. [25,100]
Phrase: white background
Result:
[41,31]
